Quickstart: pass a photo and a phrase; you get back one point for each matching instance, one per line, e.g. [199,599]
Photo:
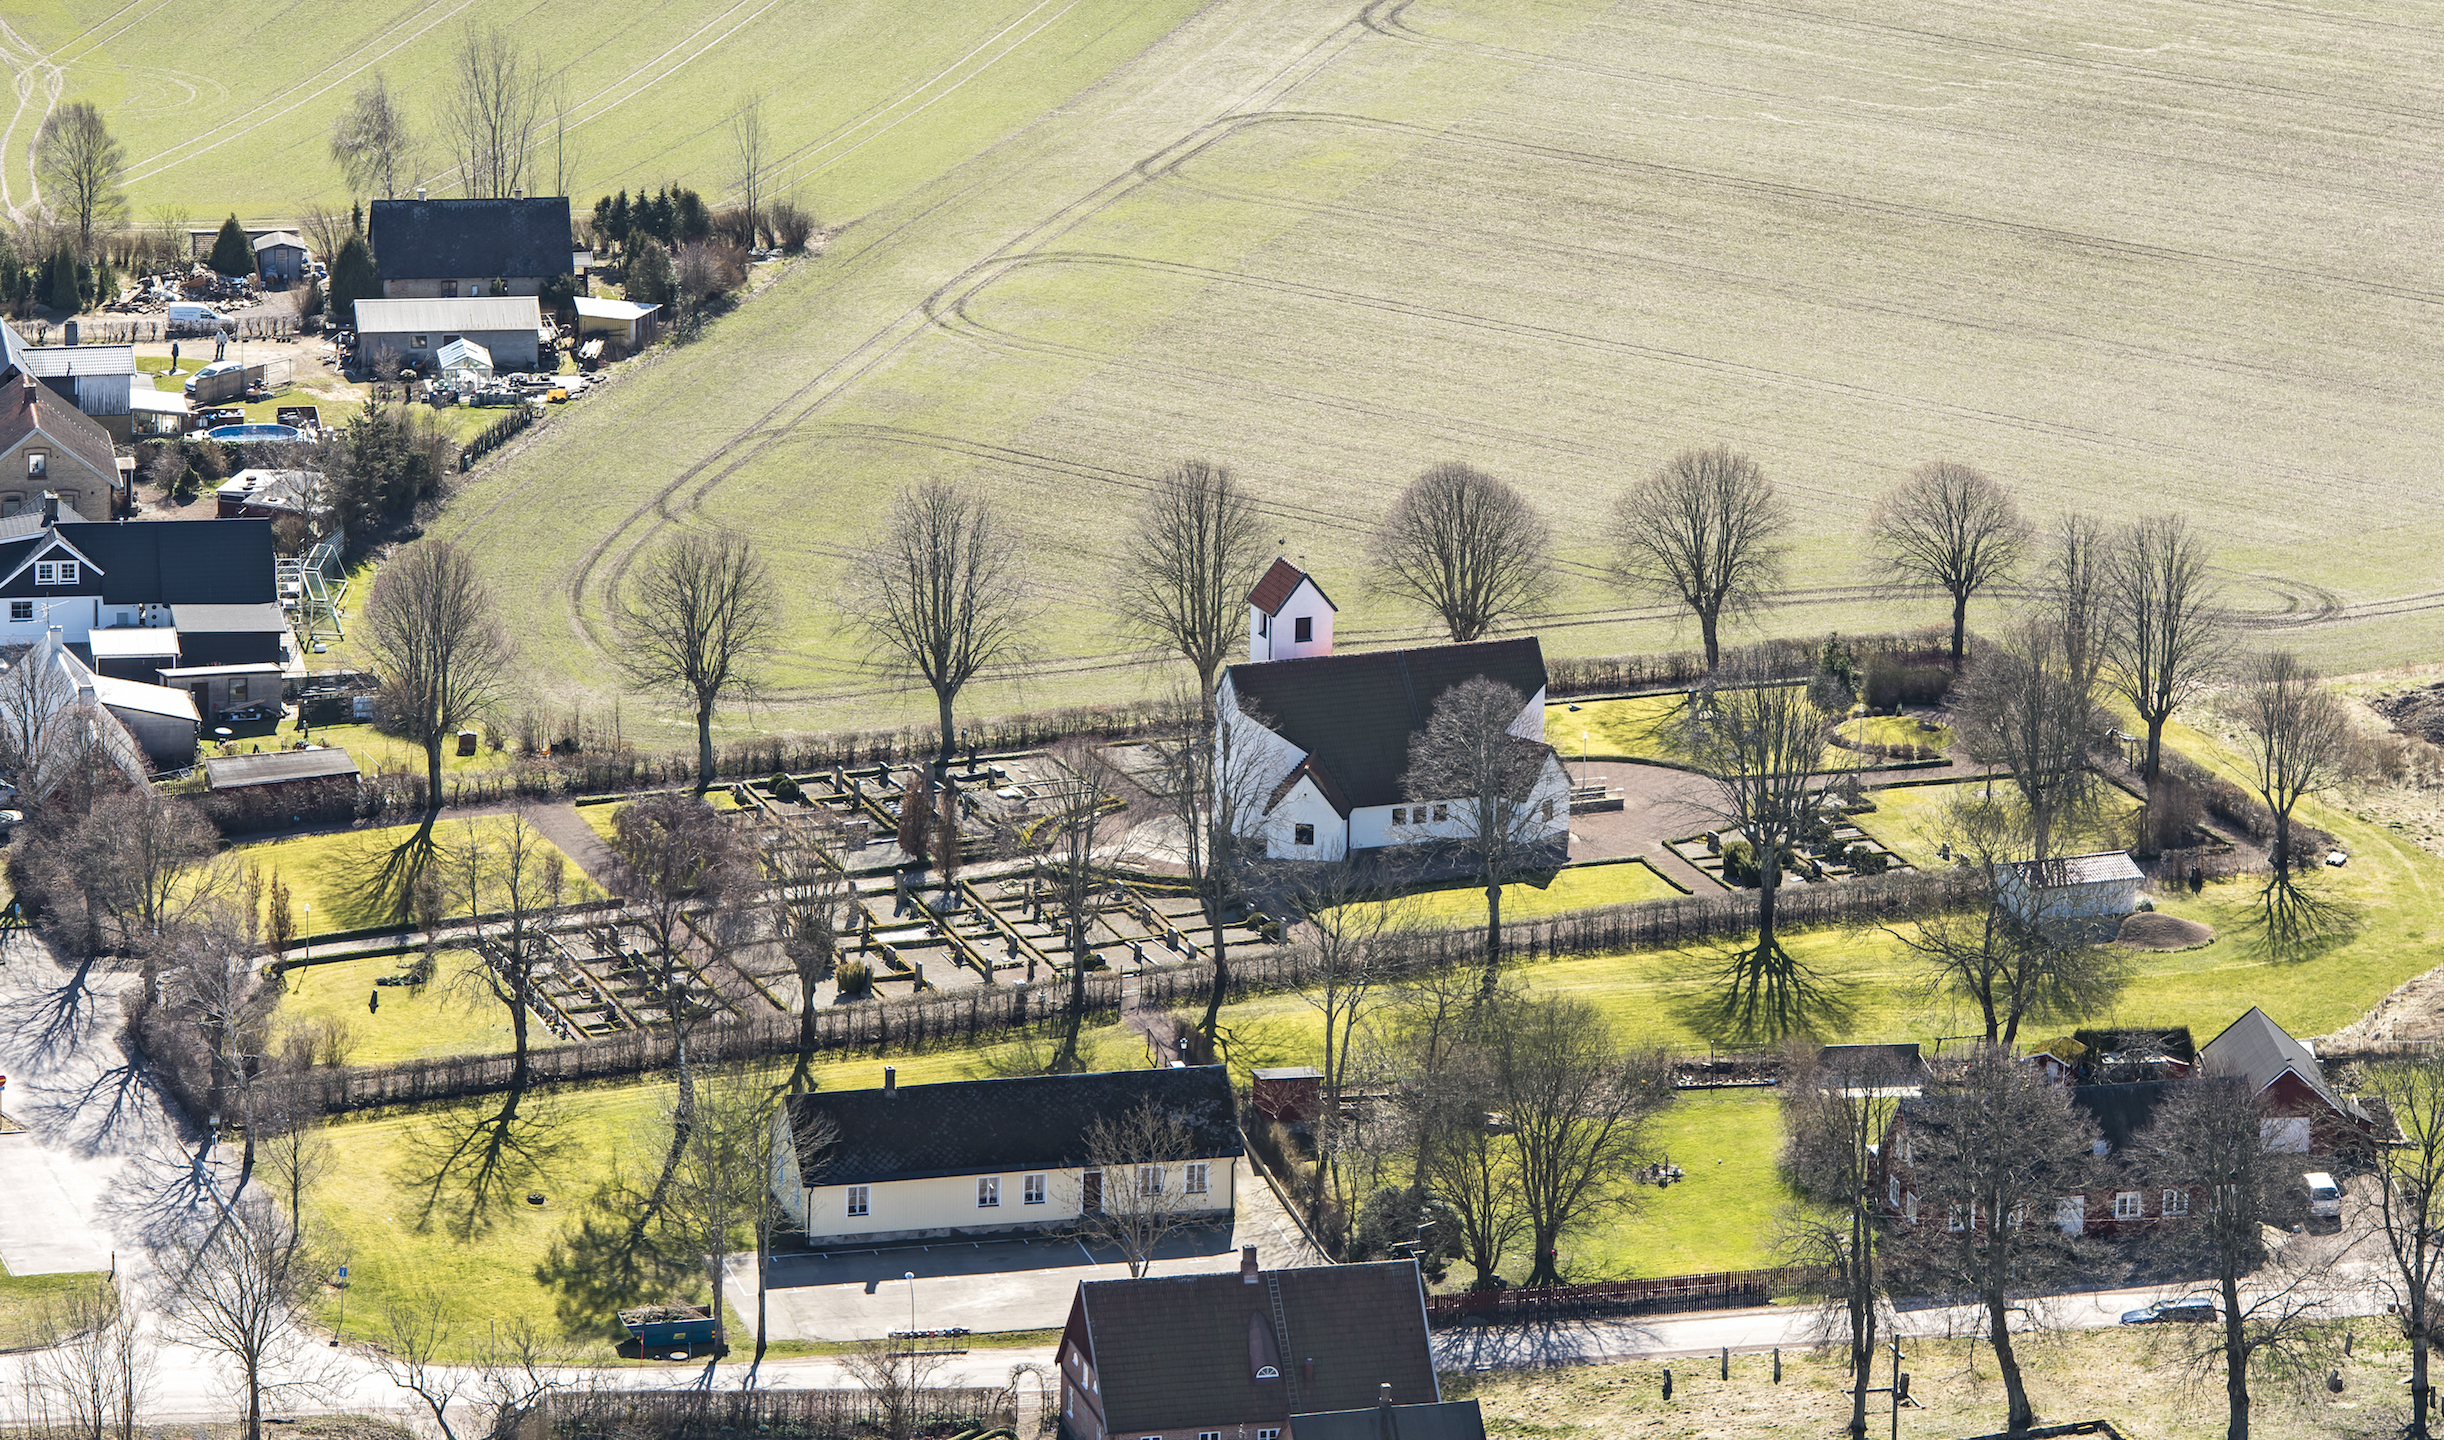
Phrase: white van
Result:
[2324,1196]
[189,313]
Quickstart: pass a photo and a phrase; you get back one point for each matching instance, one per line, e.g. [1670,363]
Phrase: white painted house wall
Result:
[1275,637]
[947,1205]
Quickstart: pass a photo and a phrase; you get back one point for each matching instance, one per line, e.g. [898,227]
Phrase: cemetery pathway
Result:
[564,827]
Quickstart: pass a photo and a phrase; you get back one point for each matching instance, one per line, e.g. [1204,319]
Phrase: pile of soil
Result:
[2154,930]
[2415,712]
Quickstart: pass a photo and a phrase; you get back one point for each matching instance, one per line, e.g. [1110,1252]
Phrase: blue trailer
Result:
[671,1327]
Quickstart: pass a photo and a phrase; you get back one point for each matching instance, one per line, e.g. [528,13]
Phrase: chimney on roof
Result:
[1247,1264]
[419,192]
[50,508]
[1383,1394]
[891,1080]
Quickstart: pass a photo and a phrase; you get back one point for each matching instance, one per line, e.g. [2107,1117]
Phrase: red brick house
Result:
[1245,1354]
[2300,1114]
[2113,1197]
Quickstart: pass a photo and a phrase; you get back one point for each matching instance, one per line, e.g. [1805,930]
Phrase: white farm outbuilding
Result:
[2081,891]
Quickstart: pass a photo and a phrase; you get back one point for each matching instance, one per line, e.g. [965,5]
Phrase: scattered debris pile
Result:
[2155,930]
[2415,712]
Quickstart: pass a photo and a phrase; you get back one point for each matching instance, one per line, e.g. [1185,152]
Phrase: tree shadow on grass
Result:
[387,876]
[1755,996]
[596,1267]
[49,1024]
[477,1163]
[2297,922]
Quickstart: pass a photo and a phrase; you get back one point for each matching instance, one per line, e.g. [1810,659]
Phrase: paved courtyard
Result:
[995,1285]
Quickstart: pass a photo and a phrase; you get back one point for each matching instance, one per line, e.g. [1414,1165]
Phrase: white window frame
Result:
[1441,813]
[1199,1178]
[1150,1182]
[1033,1189]
[2176,1202]
[1953,1221]
[2130,1205]
[1302,835]
[20,611]
[861,1200]
[1209,1435]
[1302,630]
[55,572]
[1400,816]
[988,1192]
[1268,1435]
[1892,1191]
[37,464]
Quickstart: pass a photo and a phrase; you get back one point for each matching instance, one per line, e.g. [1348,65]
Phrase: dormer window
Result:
[55,572]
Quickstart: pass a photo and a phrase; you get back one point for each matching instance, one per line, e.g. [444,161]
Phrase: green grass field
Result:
[1895,730]
[1578,887]
[1911,819]
[30,1304]
[352,878]
[451,1015]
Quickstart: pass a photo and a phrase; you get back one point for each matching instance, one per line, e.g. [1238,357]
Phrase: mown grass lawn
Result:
[397,1245]
[1910,820]
[356,879]
[1894,730]
[30,1305]
[1576,887]
[1719,1217]
[450,1015]
[375,752]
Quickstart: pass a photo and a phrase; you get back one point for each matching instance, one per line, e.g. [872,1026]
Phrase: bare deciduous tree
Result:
[82,166]
[2167,638]
[1835,1120]
[2205,1141]
[896,1374]
[1762,743]
[1705,532]
[674,857]
[94,1376]
[515,874]
[2011,966]
[722,1185]
[326,230]
[2077,591]
[1993,1144]
[2299,738]
[700,619]
[372,143]
[1141,1157]
[941,595]
[1208,776]
[749,152]
[237,1286]
[1483,780]
[1950,526]
[2028,709]
[1467,547]
[494,113]
[2409,1215]
[1070,867]
[817,897]
[1359,946]
[433,630]
[1464,1162]
[1185,572]
[1577,1107]
[509,1380]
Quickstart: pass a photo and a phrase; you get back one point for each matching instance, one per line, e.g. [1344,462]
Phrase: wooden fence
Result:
[800,1414]
[1673,1291]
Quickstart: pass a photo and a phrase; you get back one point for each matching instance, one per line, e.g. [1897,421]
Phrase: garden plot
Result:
[1008,927]
[1840,851]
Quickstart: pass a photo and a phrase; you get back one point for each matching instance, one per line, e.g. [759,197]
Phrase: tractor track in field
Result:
[749,442]
[30,74]
[1390,18]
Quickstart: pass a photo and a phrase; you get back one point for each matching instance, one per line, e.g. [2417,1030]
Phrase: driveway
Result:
[995,1285]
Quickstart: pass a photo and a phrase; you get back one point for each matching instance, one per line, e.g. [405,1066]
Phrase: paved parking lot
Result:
[995,1285]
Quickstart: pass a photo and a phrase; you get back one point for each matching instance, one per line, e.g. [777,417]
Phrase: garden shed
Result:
[624,323]
[2072,890]
[280,257]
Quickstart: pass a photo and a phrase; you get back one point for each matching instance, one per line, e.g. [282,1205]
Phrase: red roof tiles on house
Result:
[1273,591]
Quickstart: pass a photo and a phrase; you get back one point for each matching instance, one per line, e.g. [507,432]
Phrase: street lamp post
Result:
[308,927]
[910,1277]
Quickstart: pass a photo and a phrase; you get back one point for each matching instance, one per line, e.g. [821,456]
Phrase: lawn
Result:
[376,752]
[1910,820]
[355,879]
[1894,730]
[375,1208]
[1577,887]
[451,1015]
[29,1304]
[1719,1217]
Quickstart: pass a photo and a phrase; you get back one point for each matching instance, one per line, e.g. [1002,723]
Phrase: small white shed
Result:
[624,323]
[2072,889]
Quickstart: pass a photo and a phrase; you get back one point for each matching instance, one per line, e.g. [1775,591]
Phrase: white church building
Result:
[1316,744]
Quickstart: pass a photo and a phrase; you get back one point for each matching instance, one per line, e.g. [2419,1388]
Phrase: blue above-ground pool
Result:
[243,434]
